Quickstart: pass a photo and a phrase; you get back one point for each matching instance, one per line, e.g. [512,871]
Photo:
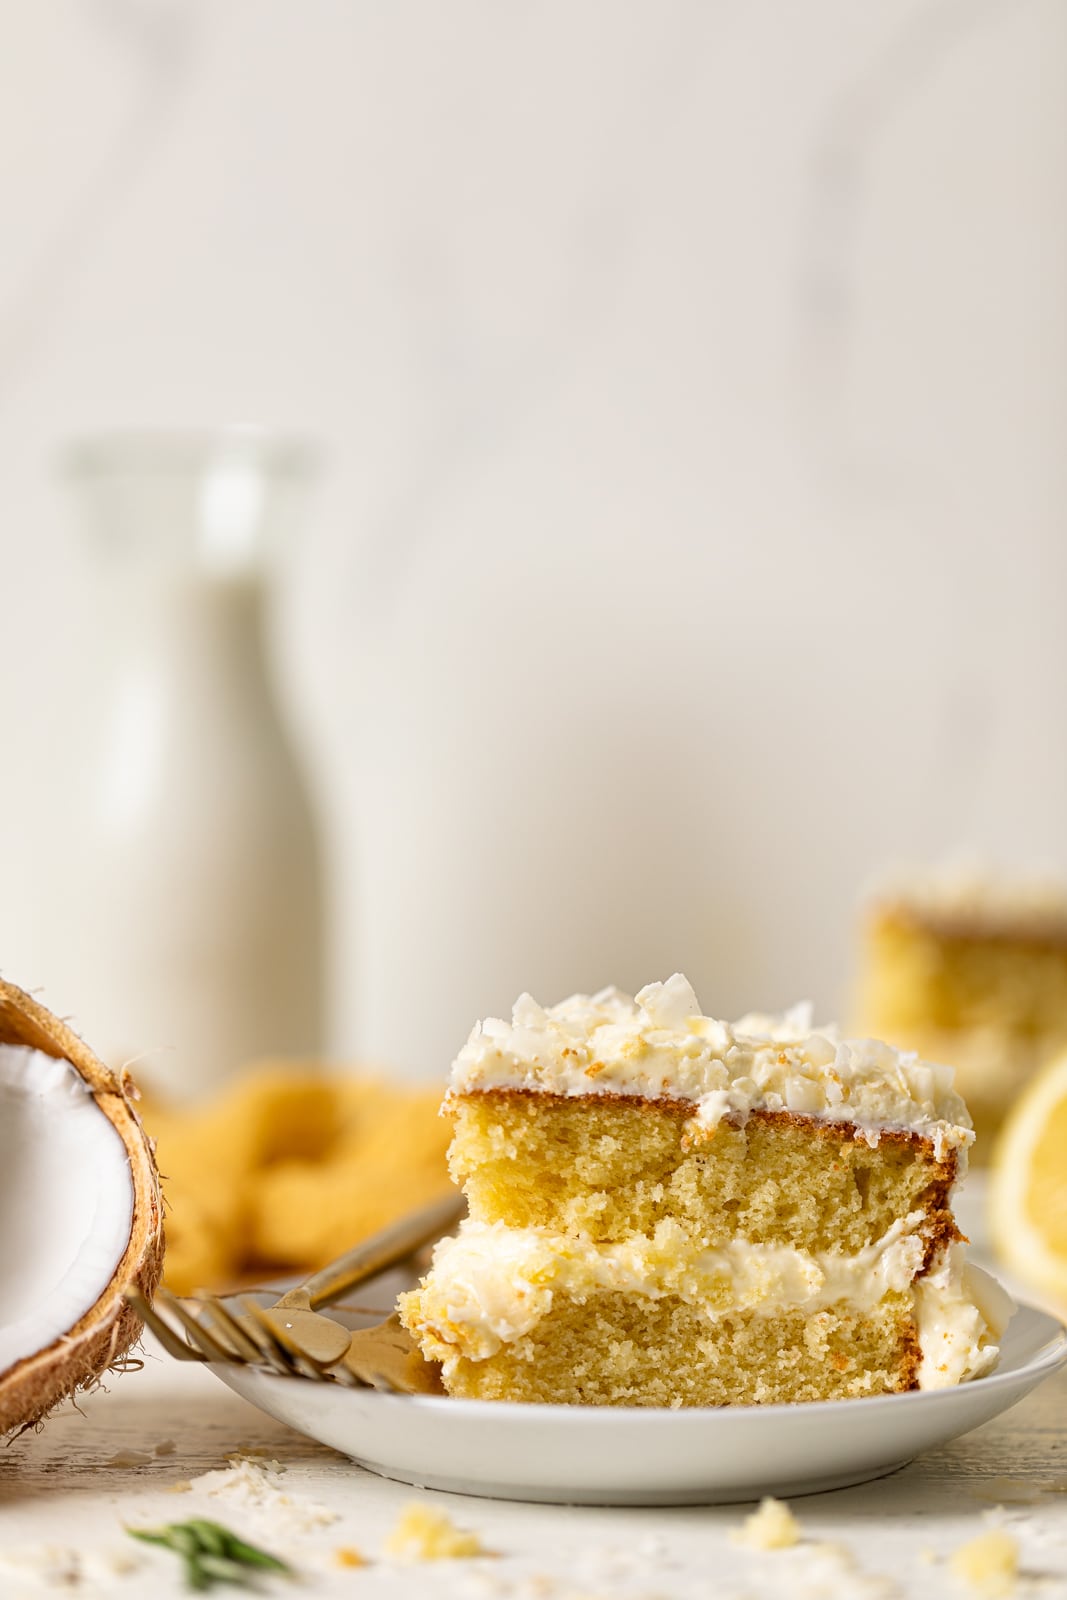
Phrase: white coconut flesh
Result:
[66,1201]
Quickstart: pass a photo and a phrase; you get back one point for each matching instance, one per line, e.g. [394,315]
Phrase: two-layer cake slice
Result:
[668,1211]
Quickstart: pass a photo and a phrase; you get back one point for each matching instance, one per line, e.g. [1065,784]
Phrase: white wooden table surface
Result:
[65,1497]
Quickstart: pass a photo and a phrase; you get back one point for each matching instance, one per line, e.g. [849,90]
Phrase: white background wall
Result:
[694,380]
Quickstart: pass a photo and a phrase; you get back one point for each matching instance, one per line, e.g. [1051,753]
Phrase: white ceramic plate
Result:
[638,1456]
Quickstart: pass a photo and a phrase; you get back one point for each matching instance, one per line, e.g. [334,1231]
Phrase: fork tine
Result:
[304,1364]
[229,1328]
[344,1376]
[171,1342]
[299,1359]
[288,1348]
[272,1348]
[201,1336]
[274,1351]
[272,1332]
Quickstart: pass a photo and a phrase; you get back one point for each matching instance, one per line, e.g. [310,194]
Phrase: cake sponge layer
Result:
[606,1167]
[923,975]
[493,1290]
[622,1349]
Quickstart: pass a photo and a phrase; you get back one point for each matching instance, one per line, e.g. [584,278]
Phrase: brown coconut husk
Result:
[99,1339]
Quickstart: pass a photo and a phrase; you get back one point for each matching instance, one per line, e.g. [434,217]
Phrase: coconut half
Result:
[80,1212]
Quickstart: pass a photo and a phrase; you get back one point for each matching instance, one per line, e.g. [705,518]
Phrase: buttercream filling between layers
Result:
[491,1285]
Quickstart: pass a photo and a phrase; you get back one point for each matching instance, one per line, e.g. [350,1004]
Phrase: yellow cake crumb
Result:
[423,1534]
[989,1563]
[347,1555]
[772,1527]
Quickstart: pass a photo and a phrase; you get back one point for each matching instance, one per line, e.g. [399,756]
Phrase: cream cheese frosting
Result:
[660,1044]
[491,1285]
[970,898]
[960,1312]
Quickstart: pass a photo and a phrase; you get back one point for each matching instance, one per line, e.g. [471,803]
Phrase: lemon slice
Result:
[1028,1191]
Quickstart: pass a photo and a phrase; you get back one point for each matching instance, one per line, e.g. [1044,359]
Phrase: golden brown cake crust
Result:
[683,1109]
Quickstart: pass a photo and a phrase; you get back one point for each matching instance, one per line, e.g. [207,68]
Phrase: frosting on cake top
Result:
[965,899]
[659,1044]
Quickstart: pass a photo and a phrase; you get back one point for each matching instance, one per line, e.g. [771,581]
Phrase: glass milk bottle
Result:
[193,913]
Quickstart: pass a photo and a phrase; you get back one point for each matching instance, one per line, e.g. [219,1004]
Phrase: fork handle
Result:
[382,1250]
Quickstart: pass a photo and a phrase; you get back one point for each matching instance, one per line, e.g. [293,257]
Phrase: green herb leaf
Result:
[151,1536]
[223,1570]
[212,1536]
[184,1540]
[211,1553]
[252,1556]
[195,1576]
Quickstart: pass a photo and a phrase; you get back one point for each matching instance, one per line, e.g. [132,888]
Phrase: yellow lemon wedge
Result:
[1028,1190]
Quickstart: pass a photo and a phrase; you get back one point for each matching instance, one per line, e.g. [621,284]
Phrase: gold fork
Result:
[292,1339]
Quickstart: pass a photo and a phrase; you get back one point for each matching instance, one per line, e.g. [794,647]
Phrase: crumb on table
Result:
[423,1534]
[772,1527]
[346,1555]
[989,1563]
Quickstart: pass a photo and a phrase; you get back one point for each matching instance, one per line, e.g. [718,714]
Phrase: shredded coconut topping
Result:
[660,1044]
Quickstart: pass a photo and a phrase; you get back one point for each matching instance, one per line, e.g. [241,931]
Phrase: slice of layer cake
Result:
[665,1210]
[971,970]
